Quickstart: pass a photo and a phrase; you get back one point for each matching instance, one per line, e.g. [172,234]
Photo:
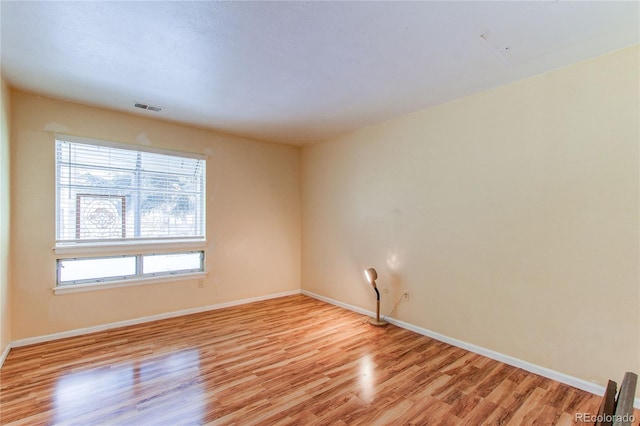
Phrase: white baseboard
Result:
[507,359]
[4,354]
[142,320]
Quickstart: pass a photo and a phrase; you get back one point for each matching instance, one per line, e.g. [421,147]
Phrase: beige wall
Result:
[5,313]
[253,218]
[511,216]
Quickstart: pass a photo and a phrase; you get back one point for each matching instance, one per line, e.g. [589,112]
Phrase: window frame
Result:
[133,247]
[139,268]
[59,243]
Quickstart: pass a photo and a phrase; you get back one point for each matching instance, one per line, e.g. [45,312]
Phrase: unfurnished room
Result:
[319,212]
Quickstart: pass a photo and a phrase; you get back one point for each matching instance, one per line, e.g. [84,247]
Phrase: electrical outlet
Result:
[405,295]
[200,283]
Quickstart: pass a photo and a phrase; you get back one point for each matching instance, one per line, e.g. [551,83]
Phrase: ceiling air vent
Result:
[149,107]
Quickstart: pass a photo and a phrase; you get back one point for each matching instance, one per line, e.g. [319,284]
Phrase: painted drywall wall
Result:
[253,218]
[5,209]
[511,216]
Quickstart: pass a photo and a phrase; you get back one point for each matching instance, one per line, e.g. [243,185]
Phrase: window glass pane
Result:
[159,263]
[105,193]
[96,269]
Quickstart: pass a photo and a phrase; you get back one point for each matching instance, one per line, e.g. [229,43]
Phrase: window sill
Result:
[135,247]
[80,288]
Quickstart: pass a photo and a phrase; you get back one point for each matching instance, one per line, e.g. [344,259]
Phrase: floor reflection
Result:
[164,389]
[367,378]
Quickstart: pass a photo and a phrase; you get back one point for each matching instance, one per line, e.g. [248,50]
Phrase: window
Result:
[116,268]
[107,194]
[128,198]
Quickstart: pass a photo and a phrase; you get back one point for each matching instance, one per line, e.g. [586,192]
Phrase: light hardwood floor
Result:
[286,361]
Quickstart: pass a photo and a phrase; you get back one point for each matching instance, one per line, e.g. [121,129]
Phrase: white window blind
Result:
[107,193]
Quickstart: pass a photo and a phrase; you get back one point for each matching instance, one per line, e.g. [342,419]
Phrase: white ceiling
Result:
[295,72]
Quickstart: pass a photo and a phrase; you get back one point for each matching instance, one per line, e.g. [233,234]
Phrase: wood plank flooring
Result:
[287,361]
